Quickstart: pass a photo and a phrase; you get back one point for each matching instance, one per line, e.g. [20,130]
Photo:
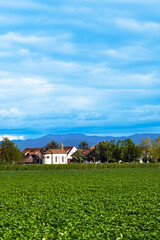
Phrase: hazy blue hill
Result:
[137,137]
[75,139]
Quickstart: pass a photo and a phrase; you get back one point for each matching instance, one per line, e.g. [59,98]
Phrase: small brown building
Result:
[32,156]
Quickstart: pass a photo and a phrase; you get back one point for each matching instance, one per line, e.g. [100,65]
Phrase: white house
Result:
[69,150]
[55,156]
[59,156]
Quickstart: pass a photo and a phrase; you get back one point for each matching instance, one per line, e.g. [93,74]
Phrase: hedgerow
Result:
[80,166]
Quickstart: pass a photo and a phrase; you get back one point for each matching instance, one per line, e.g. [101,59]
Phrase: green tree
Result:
[102,148]
[111,151]
[106,151]
[78,156]
[9,153]
[114,156]
[94,155]
[145,147]
[129,151]
[156,149]
[51,145]
[103,151]
[83,145]
[118,151]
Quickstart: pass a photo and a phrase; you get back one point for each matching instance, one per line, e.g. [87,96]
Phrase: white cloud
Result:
[74,102]
[14,37]
[24,51]
[134,25]
[11,137]
[34,81]
[16,4]
[20,43]
[74,66]
[91,74]
[11,113]
[130,53]
[136,114]
[147,109]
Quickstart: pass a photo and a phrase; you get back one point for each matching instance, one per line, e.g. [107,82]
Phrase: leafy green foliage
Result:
[77,166]
[51,145]
[97,204]
[83,145]
[9,153]
[145,146]
[78,156]
[156,149]
[111,151]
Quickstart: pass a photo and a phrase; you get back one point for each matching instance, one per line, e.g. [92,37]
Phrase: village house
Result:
[51,156]
[59,156]
[55,156]
[32,156]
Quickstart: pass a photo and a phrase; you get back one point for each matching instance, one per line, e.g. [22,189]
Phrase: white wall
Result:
[59,159]
[47,159]
[74,149]
[55,159]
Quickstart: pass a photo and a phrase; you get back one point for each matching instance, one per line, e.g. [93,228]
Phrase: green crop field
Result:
[80,204]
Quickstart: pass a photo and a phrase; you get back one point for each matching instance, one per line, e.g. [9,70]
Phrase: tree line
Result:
[107,151]
[124,151]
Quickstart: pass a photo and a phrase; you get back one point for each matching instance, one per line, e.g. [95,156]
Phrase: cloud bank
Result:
[79,67]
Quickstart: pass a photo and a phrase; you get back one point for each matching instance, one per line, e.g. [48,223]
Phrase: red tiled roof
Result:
[31,153]
[86,151]
[33,150]
[55,151]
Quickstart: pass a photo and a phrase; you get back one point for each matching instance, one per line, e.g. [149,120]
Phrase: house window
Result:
[62,159]
[55,159]
[47,156]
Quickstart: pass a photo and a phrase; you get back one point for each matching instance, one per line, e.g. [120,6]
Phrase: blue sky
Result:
[79,66]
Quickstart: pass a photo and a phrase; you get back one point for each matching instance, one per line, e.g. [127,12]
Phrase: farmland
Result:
[80,204]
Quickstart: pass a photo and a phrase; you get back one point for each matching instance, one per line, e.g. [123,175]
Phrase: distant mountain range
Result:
[75,139]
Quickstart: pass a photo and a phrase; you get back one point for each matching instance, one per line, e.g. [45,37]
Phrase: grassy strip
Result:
[35,167]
